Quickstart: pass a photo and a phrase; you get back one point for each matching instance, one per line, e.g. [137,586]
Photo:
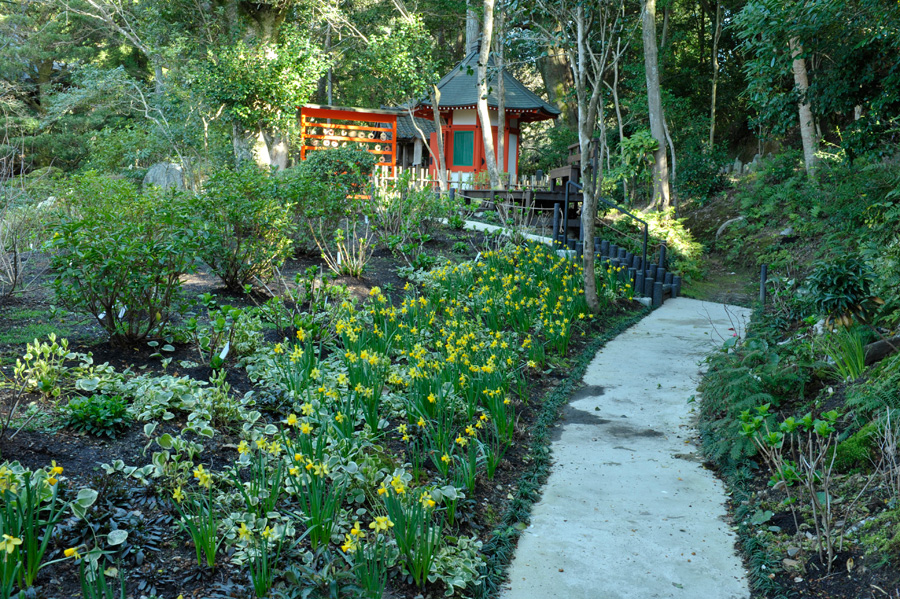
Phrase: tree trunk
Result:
[240,144]
[501,101]
[472,28]
[438,157]
[654,104]
[720,9]
[587,113]
[482,105]
[807,123]
[557,77]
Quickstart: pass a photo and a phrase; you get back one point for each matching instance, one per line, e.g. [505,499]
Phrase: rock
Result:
[738,166]
[790,563]
[787,232]
[725,225]
[793,551]
[819,327]
[165,175]
[877,351]
[747,168]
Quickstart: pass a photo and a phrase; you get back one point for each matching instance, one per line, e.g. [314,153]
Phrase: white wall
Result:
[511,166]
[468,117]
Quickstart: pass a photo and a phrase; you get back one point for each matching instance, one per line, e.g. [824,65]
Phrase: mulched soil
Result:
[158,559]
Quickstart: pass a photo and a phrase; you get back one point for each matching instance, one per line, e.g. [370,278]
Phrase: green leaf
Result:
[117,537]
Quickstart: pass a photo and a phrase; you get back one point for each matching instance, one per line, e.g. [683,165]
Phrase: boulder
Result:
[165,175]
[738,167]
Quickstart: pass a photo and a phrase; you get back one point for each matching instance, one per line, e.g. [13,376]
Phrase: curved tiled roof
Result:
[459,89]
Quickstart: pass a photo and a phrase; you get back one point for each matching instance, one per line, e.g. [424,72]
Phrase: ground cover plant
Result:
[347,443]
[800,415]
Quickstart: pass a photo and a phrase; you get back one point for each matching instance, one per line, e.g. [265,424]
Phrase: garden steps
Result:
[628,510]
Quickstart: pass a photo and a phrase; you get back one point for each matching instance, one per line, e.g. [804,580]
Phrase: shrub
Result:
[119,255]
[841,289]
[246,226]
[324,189]
[99,415]
[700,171]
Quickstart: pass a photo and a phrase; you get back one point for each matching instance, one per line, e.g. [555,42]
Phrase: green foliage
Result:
[396,64]
[741,378]
[344,170]
[700,174]
[878,391]
[263,82]
[119,255]
[857,452]
[552,152]
[230,333]
[841,289]
[127,151]
[245,226]
[846,348]
[684,252]
[853,35]
[98,415]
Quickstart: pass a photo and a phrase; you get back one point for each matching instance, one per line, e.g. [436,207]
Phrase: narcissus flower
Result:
[381,523]
[291,420]
[9,543]
[202,476]
[72,552]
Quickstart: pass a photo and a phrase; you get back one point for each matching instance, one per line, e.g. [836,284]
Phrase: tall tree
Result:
[807,122]
[484,116]
[661,197]
[588,32]
[720,10]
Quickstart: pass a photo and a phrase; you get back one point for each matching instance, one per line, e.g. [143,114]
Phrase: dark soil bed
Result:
[158,559]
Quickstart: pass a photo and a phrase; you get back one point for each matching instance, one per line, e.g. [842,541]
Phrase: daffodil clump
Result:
[442,373]
[30,510]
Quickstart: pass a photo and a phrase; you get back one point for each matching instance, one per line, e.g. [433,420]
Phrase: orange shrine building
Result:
[390,135]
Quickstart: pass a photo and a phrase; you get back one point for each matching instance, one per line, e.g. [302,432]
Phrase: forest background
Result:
[118,85]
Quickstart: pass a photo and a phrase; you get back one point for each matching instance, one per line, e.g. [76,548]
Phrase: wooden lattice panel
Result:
[375,132]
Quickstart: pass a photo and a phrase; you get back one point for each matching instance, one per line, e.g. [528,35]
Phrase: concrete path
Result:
[628,511]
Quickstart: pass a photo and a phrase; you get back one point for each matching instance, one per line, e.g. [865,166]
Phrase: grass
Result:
[24,325]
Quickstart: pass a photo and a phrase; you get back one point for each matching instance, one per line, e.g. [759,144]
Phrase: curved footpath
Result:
[628,511]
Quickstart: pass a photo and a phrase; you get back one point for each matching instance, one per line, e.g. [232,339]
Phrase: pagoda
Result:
[461,129]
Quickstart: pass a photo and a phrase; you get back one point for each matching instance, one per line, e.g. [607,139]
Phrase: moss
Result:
[882,535]
[856,452]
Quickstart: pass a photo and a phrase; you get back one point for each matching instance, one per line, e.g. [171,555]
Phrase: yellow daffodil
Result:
[291,420]
[9,543]
[426,499]
[381,523]
[178,494]
[202,476]
[356,531]
[243,447]
[244,532]
[72,552]
[306,428]
[445,458]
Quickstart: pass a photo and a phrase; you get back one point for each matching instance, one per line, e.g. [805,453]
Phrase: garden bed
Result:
[530,321]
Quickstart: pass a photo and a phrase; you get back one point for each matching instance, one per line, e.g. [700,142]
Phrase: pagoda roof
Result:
[459,90]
